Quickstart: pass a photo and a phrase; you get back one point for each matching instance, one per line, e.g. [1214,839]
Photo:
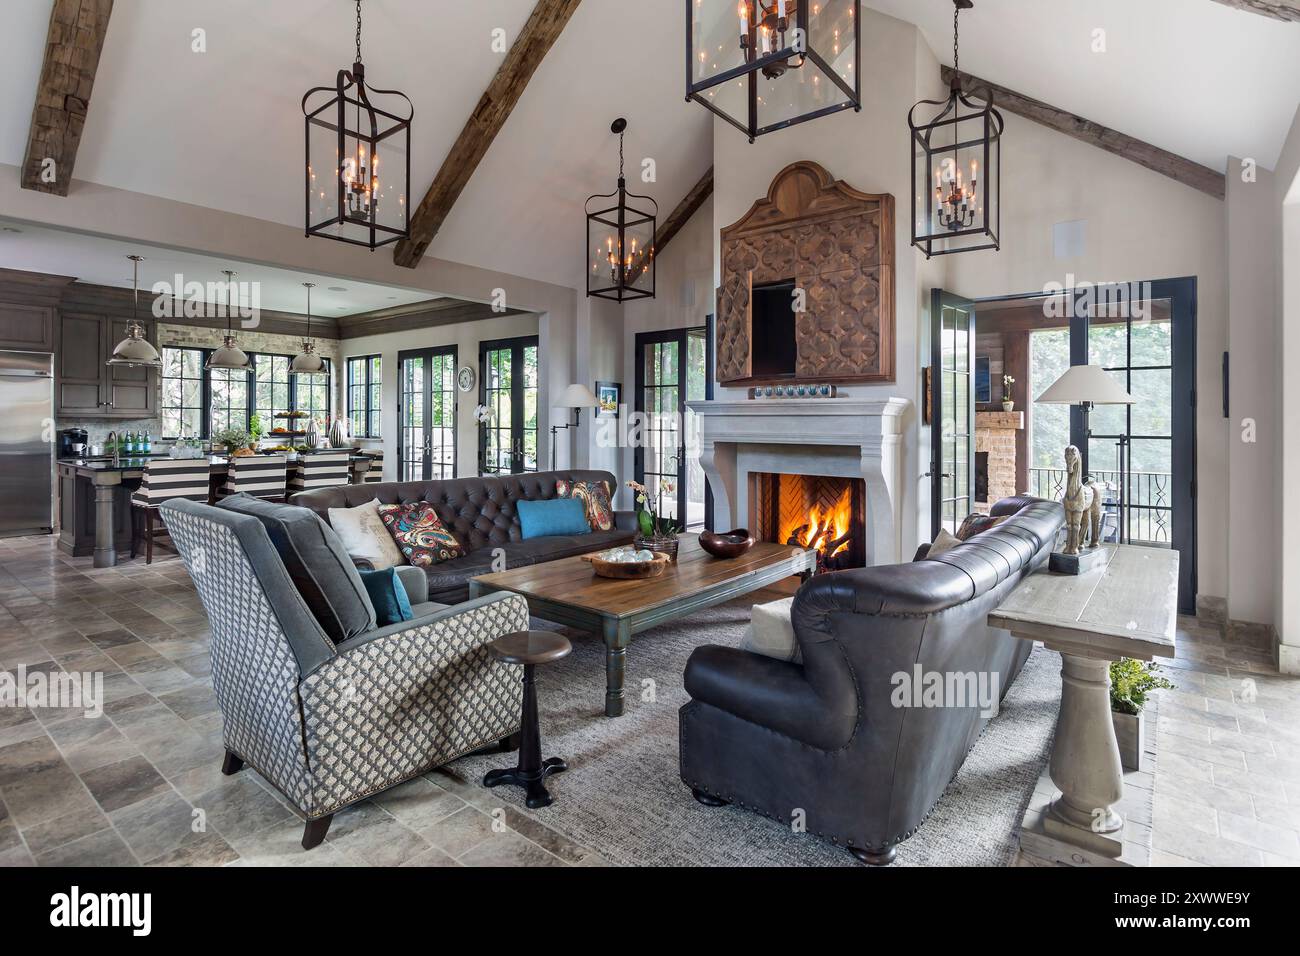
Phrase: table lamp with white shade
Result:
[1085,386]
[576,397]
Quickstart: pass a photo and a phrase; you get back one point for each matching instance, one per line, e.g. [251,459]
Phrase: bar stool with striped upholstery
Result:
[320,470]
[375,475]
[165,479]
[262,476]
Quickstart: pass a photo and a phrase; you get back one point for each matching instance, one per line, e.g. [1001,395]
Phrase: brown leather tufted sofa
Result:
[481,513]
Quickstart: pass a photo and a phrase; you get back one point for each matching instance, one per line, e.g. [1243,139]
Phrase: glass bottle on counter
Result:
[148,444]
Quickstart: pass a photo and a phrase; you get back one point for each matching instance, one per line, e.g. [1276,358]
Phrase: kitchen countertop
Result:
[137,462]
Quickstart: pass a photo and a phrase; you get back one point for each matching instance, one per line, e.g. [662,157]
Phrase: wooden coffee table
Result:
[568,592]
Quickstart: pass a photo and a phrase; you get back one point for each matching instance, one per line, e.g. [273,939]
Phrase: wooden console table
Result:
[1126,607]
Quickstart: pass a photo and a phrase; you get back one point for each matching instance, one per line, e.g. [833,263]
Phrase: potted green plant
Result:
[1130,683]
[234,439]
[654,532]
[255,430]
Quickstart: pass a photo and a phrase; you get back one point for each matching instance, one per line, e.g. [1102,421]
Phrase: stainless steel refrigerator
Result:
[26,443]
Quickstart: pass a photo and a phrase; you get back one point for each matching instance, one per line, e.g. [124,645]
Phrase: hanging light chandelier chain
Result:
[620,156]
[956,36]
[358,31]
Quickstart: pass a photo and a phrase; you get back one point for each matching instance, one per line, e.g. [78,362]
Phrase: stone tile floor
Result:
[1226,782]
[141,784]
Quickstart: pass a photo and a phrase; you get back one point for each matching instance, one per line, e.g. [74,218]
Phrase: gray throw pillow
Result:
[317,563]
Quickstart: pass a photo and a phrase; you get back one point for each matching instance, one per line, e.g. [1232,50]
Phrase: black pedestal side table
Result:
[530,648]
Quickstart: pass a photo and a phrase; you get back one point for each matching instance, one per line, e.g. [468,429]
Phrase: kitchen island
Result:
[95,501]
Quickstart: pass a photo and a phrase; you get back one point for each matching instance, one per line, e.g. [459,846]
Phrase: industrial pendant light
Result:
[135,349]
[307,362]
[956,167]
[230,356]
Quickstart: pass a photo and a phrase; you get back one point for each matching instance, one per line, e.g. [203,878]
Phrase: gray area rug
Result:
[622,796]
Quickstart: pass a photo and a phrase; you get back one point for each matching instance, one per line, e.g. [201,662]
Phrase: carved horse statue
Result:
[1080,498]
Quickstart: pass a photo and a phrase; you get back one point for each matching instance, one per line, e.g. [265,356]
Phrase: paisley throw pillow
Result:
[976,523]
[419,533]
[594,496]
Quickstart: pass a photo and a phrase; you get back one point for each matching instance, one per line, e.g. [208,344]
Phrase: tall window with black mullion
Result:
[199,402]
[184,409]
[363,391]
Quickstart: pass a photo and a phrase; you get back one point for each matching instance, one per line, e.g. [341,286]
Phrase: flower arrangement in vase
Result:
[654,532]
[1008,404]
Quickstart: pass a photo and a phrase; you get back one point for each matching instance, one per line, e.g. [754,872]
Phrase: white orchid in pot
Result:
[482,414]
[654,531]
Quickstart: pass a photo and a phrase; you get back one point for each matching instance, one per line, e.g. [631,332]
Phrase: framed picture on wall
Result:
[610,395]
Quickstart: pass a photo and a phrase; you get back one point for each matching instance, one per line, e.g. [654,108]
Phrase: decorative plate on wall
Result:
[466,378]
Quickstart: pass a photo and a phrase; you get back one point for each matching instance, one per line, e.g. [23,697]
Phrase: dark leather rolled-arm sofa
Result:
[824,736]
[481,513]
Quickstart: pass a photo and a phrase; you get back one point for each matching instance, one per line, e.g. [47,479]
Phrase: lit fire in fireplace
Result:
[826,530]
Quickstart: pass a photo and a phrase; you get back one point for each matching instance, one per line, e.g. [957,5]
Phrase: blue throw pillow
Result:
[388,595]
[541,519]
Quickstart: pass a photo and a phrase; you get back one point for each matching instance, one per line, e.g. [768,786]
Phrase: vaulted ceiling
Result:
[223,128]
[1194,77]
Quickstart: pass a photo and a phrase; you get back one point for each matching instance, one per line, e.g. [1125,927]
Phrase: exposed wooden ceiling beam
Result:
[1288,10]
[687,208]
[72,48]
[1103,137]
[679,217]
[539,34]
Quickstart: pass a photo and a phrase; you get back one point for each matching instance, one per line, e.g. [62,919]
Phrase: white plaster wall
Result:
[600,351]
[1286,597]
[1253,429]
[466,337]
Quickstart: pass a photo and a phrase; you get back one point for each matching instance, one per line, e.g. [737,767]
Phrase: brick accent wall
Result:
[995,435]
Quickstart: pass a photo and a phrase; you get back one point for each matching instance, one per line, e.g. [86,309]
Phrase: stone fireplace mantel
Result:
[852,438]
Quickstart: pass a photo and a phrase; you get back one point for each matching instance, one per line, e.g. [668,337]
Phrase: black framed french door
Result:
[426,414]
[672,368]
[952,403]
[1143,456]
[507,443]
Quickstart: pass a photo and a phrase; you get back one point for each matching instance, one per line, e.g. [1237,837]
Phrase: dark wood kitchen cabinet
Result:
[87,387]
[26,328]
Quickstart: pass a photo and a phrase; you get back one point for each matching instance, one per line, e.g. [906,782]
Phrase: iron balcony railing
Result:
[1149,511]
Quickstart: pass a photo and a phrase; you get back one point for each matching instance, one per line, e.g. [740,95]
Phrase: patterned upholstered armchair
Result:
[331,724]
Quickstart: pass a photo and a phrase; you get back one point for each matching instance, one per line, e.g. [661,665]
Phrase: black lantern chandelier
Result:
[347,136]
[768,64]
[956,167]
[620,240]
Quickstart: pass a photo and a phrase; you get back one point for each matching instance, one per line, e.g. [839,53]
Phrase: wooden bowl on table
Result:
[729,544]
[628,570]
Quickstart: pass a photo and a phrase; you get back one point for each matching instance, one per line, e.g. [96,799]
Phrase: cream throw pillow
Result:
[945,541]
[364,535]
[771,632]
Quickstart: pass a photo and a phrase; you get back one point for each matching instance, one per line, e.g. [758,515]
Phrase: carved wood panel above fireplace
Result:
[819,236]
